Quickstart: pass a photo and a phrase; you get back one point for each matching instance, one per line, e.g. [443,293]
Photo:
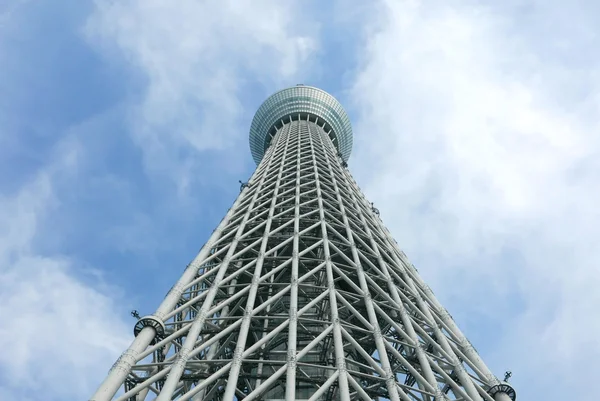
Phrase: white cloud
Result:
[194,60]
[483,162]
[60,331]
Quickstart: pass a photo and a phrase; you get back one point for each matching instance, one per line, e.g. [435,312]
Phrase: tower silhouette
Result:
[300,293]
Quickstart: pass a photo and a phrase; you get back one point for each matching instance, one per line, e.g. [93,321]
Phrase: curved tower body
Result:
[300,293]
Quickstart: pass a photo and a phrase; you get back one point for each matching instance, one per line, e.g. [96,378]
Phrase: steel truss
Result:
[301,294]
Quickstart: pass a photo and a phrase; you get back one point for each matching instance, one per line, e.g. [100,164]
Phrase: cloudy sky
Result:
[124,129]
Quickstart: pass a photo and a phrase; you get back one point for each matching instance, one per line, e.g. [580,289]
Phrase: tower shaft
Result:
[301,294]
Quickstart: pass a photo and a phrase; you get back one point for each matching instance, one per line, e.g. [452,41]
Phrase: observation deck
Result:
[300,102]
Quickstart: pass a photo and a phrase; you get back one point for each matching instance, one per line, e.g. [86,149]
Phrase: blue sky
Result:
[123,134]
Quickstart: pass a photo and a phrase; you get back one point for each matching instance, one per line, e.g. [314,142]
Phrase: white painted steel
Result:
[302,294]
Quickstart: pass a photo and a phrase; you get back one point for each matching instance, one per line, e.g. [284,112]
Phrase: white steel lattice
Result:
[301,294]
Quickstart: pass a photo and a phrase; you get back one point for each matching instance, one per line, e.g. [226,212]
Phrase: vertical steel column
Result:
[122,367]
[337,332]
[394,391]
[241,341]
[290,384]
[406,321]
[472,358]
[194,330]
[259,369]
[214,348]
[459,368]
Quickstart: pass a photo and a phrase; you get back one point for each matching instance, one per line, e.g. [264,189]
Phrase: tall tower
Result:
[300,293]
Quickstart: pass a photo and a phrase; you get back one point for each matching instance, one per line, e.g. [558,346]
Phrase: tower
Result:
[300,293]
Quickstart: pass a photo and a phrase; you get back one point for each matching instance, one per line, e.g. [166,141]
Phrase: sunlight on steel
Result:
[301,294]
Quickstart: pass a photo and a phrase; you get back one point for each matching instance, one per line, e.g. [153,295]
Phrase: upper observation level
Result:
[306,103]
